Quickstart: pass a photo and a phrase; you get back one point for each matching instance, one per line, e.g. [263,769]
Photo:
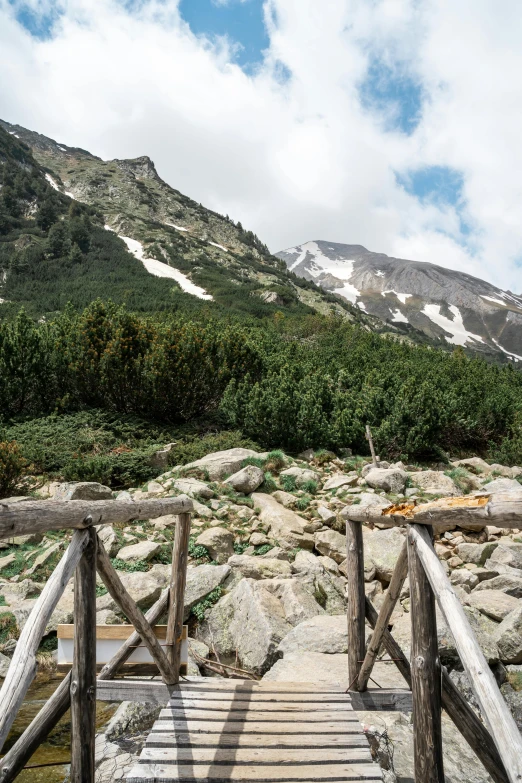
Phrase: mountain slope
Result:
[181,245]
[442,303]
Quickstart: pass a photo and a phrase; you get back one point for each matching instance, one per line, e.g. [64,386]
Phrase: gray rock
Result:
[509,555]
[434,482]
[202,580]
[5,662]
[301,475]
[381,550]
[512,585]
[332,544]
[327,515]
[508,636]
[190,486]
[327,667]
[131,717]
[219,542]
[514,701]
[220,464]
[259,567]
[492,603]
[321,634]
[250,620]
[474,464]
[341,480]
[370,499]
[461,576]
[502,470]
[284,524]
[285,498]
[160,459]
[109,539]
[258,539]
[298,602]
[82,490]
[391,480]
[144,550]
[503,486]
[476,553]
[246,480]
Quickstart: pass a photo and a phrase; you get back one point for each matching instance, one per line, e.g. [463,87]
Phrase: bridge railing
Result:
[496,741]
[84,558]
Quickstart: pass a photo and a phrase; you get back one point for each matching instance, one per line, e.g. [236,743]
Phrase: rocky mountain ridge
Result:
[451,306]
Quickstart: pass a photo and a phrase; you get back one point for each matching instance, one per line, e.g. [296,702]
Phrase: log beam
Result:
[355,600]
[177,592]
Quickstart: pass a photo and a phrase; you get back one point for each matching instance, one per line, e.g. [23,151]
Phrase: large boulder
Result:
[332,544]
[321,634]
[144,550]
[82,490]
[219,542]
[249,620]
[298,602]
[512,585]
[434,482]
[283,523]
[507,554]
[202,580]
[301,475]
[109,539]
[391,480]
[476,553]
[259,567]
[341,480]
[492,603]
[474,464]
[503,486]
[508,636]
[221,464]
[190,486]
[381,550]
[247,479]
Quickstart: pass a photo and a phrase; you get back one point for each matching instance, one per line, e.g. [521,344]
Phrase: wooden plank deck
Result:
[214,731]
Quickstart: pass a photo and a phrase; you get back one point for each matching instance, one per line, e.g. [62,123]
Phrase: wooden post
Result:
[425,675]
[83,676]
[369,438]
[355,604]
[178,582]
[390,599]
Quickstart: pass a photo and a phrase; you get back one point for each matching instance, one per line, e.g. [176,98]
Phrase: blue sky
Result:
[240,20]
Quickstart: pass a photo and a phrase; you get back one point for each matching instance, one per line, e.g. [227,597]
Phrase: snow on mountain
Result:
[442,303]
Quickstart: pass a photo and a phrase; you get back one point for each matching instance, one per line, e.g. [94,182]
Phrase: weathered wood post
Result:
[83,677]
[355,600]
[425,674]
[375,458]
[177,592]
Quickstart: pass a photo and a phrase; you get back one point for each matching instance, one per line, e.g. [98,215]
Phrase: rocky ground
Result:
[267,576]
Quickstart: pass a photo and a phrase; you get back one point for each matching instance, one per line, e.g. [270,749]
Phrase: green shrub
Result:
[303,502]
[200,609]
[288,483]
[12,466]
[310,486]
[197,551]
[462,479]
[240,546]
[131,566]
[263,549]
[322,456]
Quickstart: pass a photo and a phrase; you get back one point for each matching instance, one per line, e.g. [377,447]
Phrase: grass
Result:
[240,546]
[268,484]
[288,483]
[200,609]
[8,627]
[322,456]
[263,549]
[310,486]
[303,502]
[3,602]
[197,551]
[462,479]
[130,566]
[515,680]
[101,590]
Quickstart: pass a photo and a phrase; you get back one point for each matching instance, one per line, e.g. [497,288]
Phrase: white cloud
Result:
[297,159]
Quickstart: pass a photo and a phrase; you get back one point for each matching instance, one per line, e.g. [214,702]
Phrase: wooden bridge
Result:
[219,730]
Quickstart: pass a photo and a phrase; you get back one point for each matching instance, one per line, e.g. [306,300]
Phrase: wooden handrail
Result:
[500,510]
[22,669]
[39,516]
[118,592]
[355,597]
[177,592]
[496,712]
[388,605]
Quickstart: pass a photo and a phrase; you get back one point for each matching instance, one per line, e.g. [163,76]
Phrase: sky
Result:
[395,124]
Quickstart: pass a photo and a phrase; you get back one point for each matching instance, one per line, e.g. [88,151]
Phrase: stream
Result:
[57,746]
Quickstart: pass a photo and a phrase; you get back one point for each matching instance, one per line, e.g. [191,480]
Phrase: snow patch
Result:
[398,317]
[362,306]
[51,181]
[178,228]
[349,292]
[71,195]
[321,264]
[492,299]
[159,269]
[459,334]
[12,133]
[215,244]
[379,273]
[515,299]
[108,228]
[62,148]
[401,297]
[511,355]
